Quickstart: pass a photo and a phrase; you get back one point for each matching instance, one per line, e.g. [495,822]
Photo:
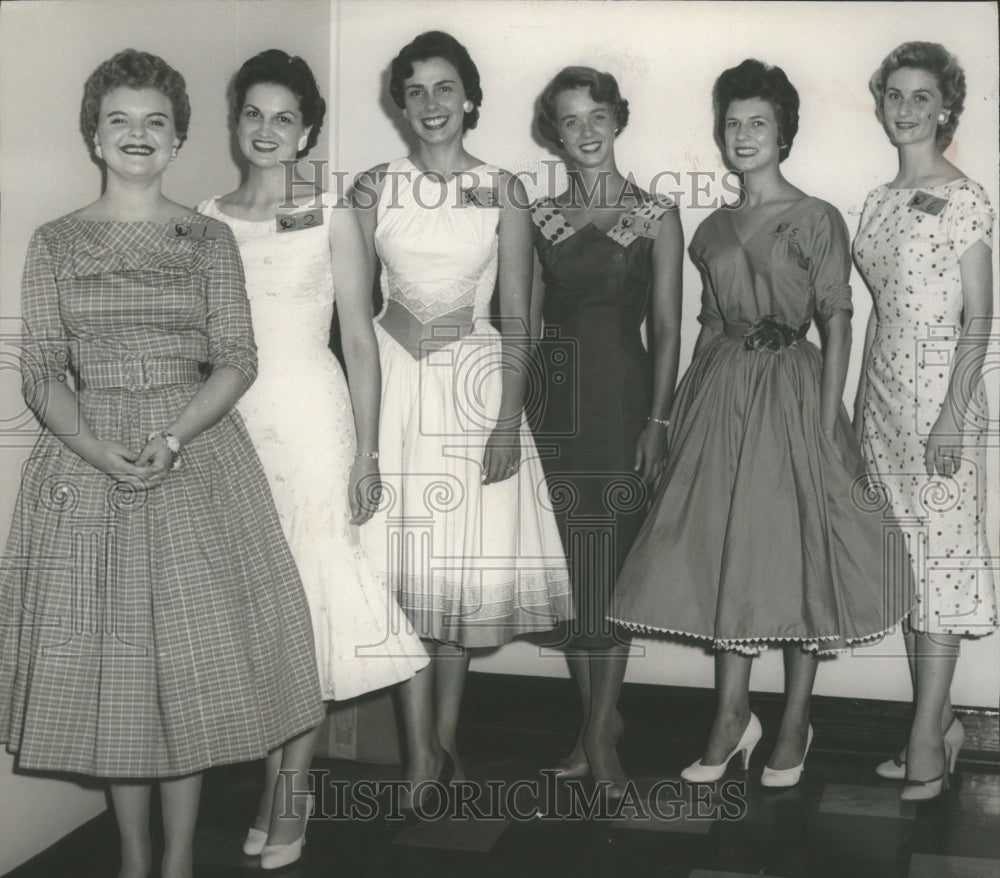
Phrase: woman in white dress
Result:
[320,457]
[465,533]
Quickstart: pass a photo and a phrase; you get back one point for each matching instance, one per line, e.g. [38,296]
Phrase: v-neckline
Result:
[765,225]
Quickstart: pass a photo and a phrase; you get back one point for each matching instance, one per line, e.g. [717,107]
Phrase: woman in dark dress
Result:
[607,252]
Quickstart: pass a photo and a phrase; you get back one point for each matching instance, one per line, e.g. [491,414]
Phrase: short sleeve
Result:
[969,219]
[45,345]
[230,325]
[830,264]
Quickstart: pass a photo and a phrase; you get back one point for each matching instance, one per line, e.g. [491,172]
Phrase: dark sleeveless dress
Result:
[595,398]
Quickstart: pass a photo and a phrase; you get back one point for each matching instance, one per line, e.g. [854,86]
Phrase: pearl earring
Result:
[942,118]
[468,106]
[173,153]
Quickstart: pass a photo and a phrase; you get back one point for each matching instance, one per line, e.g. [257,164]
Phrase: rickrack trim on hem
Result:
[756,645]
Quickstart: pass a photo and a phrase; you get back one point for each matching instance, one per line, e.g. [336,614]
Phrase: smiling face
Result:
[911,106]
[751,134]
[586,128]
[135,132]
[433,100]
[270,128]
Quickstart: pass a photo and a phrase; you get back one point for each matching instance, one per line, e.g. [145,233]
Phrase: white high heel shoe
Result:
[255,841]
[895,768]
[275,856]
[698,772]
[786,777]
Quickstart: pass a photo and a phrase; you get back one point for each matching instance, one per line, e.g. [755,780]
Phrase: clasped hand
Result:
[144,470]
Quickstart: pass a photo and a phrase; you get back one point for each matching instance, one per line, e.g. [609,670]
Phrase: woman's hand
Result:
[155,460]
[651,452]
[943,451]
[116,460]
[502,456]
[364,488]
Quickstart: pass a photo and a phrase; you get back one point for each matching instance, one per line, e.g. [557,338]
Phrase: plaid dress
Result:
[145,633]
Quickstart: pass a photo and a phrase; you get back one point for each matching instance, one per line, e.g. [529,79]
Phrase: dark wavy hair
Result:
[438,44]
[603,88]
[754,79]
[131,68]
[279,68]
[941,64]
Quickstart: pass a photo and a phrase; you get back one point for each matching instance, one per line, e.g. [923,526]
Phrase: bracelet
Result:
[372,455]
[173,445]
[659,421]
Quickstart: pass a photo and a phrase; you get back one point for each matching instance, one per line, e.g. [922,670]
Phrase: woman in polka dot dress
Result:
[923,246]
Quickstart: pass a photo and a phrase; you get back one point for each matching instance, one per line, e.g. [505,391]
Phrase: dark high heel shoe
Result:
[566,770]
[923,790]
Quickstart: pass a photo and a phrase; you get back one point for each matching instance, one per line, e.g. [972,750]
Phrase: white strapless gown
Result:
[299,416]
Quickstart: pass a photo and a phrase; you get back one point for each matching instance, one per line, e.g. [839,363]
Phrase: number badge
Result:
[296,222]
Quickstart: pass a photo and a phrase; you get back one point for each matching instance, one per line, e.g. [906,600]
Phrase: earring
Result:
[942,118]
[173,153]
[468,106]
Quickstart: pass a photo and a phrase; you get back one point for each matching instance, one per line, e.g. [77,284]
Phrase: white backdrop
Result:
[666,57]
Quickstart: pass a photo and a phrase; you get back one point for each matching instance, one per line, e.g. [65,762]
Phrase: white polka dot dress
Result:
[908,248]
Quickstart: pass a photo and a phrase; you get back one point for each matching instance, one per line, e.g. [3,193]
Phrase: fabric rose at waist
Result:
[767,333]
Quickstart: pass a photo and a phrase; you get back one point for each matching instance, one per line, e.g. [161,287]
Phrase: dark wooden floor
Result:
[841,822]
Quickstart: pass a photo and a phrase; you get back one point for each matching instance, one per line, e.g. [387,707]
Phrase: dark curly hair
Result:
[603,88]
[280,68]
[754,79]
[942,65]
[131,68]
[437,44]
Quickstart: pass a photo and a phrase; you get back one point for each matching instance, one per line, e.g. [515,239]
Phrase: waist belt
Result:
[767,334]
[139,373]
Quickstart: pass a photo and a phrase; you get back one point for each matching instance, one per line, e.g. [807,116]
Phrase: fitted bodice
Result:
[597,283]
[908,248]
[289,284]
[794,266]
[438,240]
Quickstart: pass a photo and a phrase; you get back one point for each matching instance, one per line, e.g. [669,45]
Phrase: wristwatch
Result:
[173,444]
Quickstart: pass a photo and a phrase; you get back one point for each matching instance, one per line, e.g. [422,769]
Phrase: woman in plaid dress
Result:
[152,622]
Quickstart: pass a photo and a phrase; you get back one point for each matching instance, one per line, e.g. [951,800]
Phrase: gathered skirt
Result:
[762,529]
[150,633]
[471,564]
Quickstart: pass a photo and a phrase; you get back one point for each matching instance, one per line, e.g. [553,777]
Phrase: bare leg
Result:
[179,797]
[416,696]
[579,669]
[800,673]
[289,812]
[131,802]
[449,684]
[732,683]
[947,713]
[271,765]
[936,656]
[607,671]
